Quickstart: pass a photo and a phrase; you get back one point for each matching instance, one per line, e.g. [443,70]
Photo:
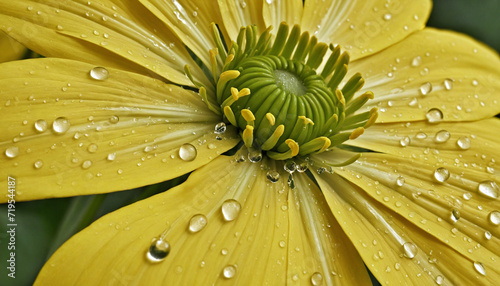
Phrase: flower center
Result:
[272,92]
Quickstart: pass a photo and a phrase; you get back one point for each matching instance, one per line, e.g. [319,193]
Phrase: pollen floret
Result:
[273,92]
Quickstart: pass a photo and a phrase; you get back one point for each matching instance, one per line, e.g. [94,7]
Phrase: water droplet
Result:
[254,155]
[187,152]
[442,136]
[220,128]
[410,249]
[316,278]
[421,135]
[86,164]
[489,189]
[114,119]
[111,156]
[60,125]
[99,73]
[441,174]
[41,125]
[38,164]
[416,61]
[243,4]
[387,17]
[439,280]
[434,115]
[479,268]
[230,209]
[494,217]
[92,148]
[229,271]
[290,166]
[197,223]
[455,215]
[400,181]
[158,250]
[405,141]
[302,167]
[273,176]
[467,196]
[487,235]
[425,88]
[463,142]
[448,84]
[12,152]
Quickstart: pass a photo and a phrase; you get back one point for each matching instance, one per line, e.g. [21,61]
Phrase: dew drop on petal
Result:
[487,235]
[92,148]
[434,115]
[12,152]
[316,278]
[448,84]
[463,142]
[273,176]
[400,181]
[302,167]
[442,136]
[494,217]
[187,152]
[489,189]
[416,61]
[425,88]
[479,268]
[230,209]
[41,125]
[405,141]
[86,164]
[229,271]
[158,250]
[439,280]
[38,164]
[387,17]
[421,135]
[220,128]
[111,156]
[254,155]
[455,215]
[410,249]
[60,125]
[197,223]
[114,119]
[441,174]
[467,196]
[290,166]
[99,73]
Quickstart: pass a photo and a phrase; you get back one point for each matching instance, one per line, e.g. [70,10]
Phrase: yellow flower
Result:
[111,108]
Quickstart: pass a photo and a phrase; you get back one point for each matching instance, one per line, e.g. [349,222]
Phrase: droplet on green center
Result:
[289,82]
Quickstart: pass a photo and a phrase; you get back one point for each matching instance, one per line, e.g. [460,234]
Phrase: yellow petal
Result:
[241,13]
[66,133]
[364,27]
[277,11]
[396,250]
[432,69]
[123,36]
[190,21]
[473,146]
[11,49]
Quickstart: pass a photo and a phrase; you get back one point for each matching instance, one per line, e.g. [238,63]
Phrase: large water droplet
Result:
[416,61]
[405,141]
[290,166]
[455,215]
[38,164]
[158,250]
[254,155]
[187,152]
[41,125]
[479,268]
[439,280]
[99,73]
[442,136]
[441,174]
[273,176]
[220,128]
[494,217]
[448,84]
[463,142]
[434,115]
[60,125]
[425,88]
[316,278]
[197,223]
[12,152]
[230,209]
[302,167]
[489,189]
[229,271]
[410,249]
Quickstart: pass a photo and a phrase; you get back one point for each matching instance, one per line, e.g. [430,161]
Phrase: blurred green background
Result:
[44,225]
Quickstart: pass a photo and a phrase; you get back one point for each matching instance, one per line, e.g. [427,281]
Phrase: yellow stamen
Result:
[248,116]
[223,79]
[228,112]
[340,96]
[356,133]
[213,61]
[373,118]
[317,145]
[229,59]
[211,106]
[294,146]
[270,117]
[248,136]
[306,120]
[235,95]
[273,139]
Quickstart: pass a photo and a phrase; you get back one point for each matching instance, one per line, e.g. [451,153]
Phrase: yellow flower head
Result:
[323,137]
